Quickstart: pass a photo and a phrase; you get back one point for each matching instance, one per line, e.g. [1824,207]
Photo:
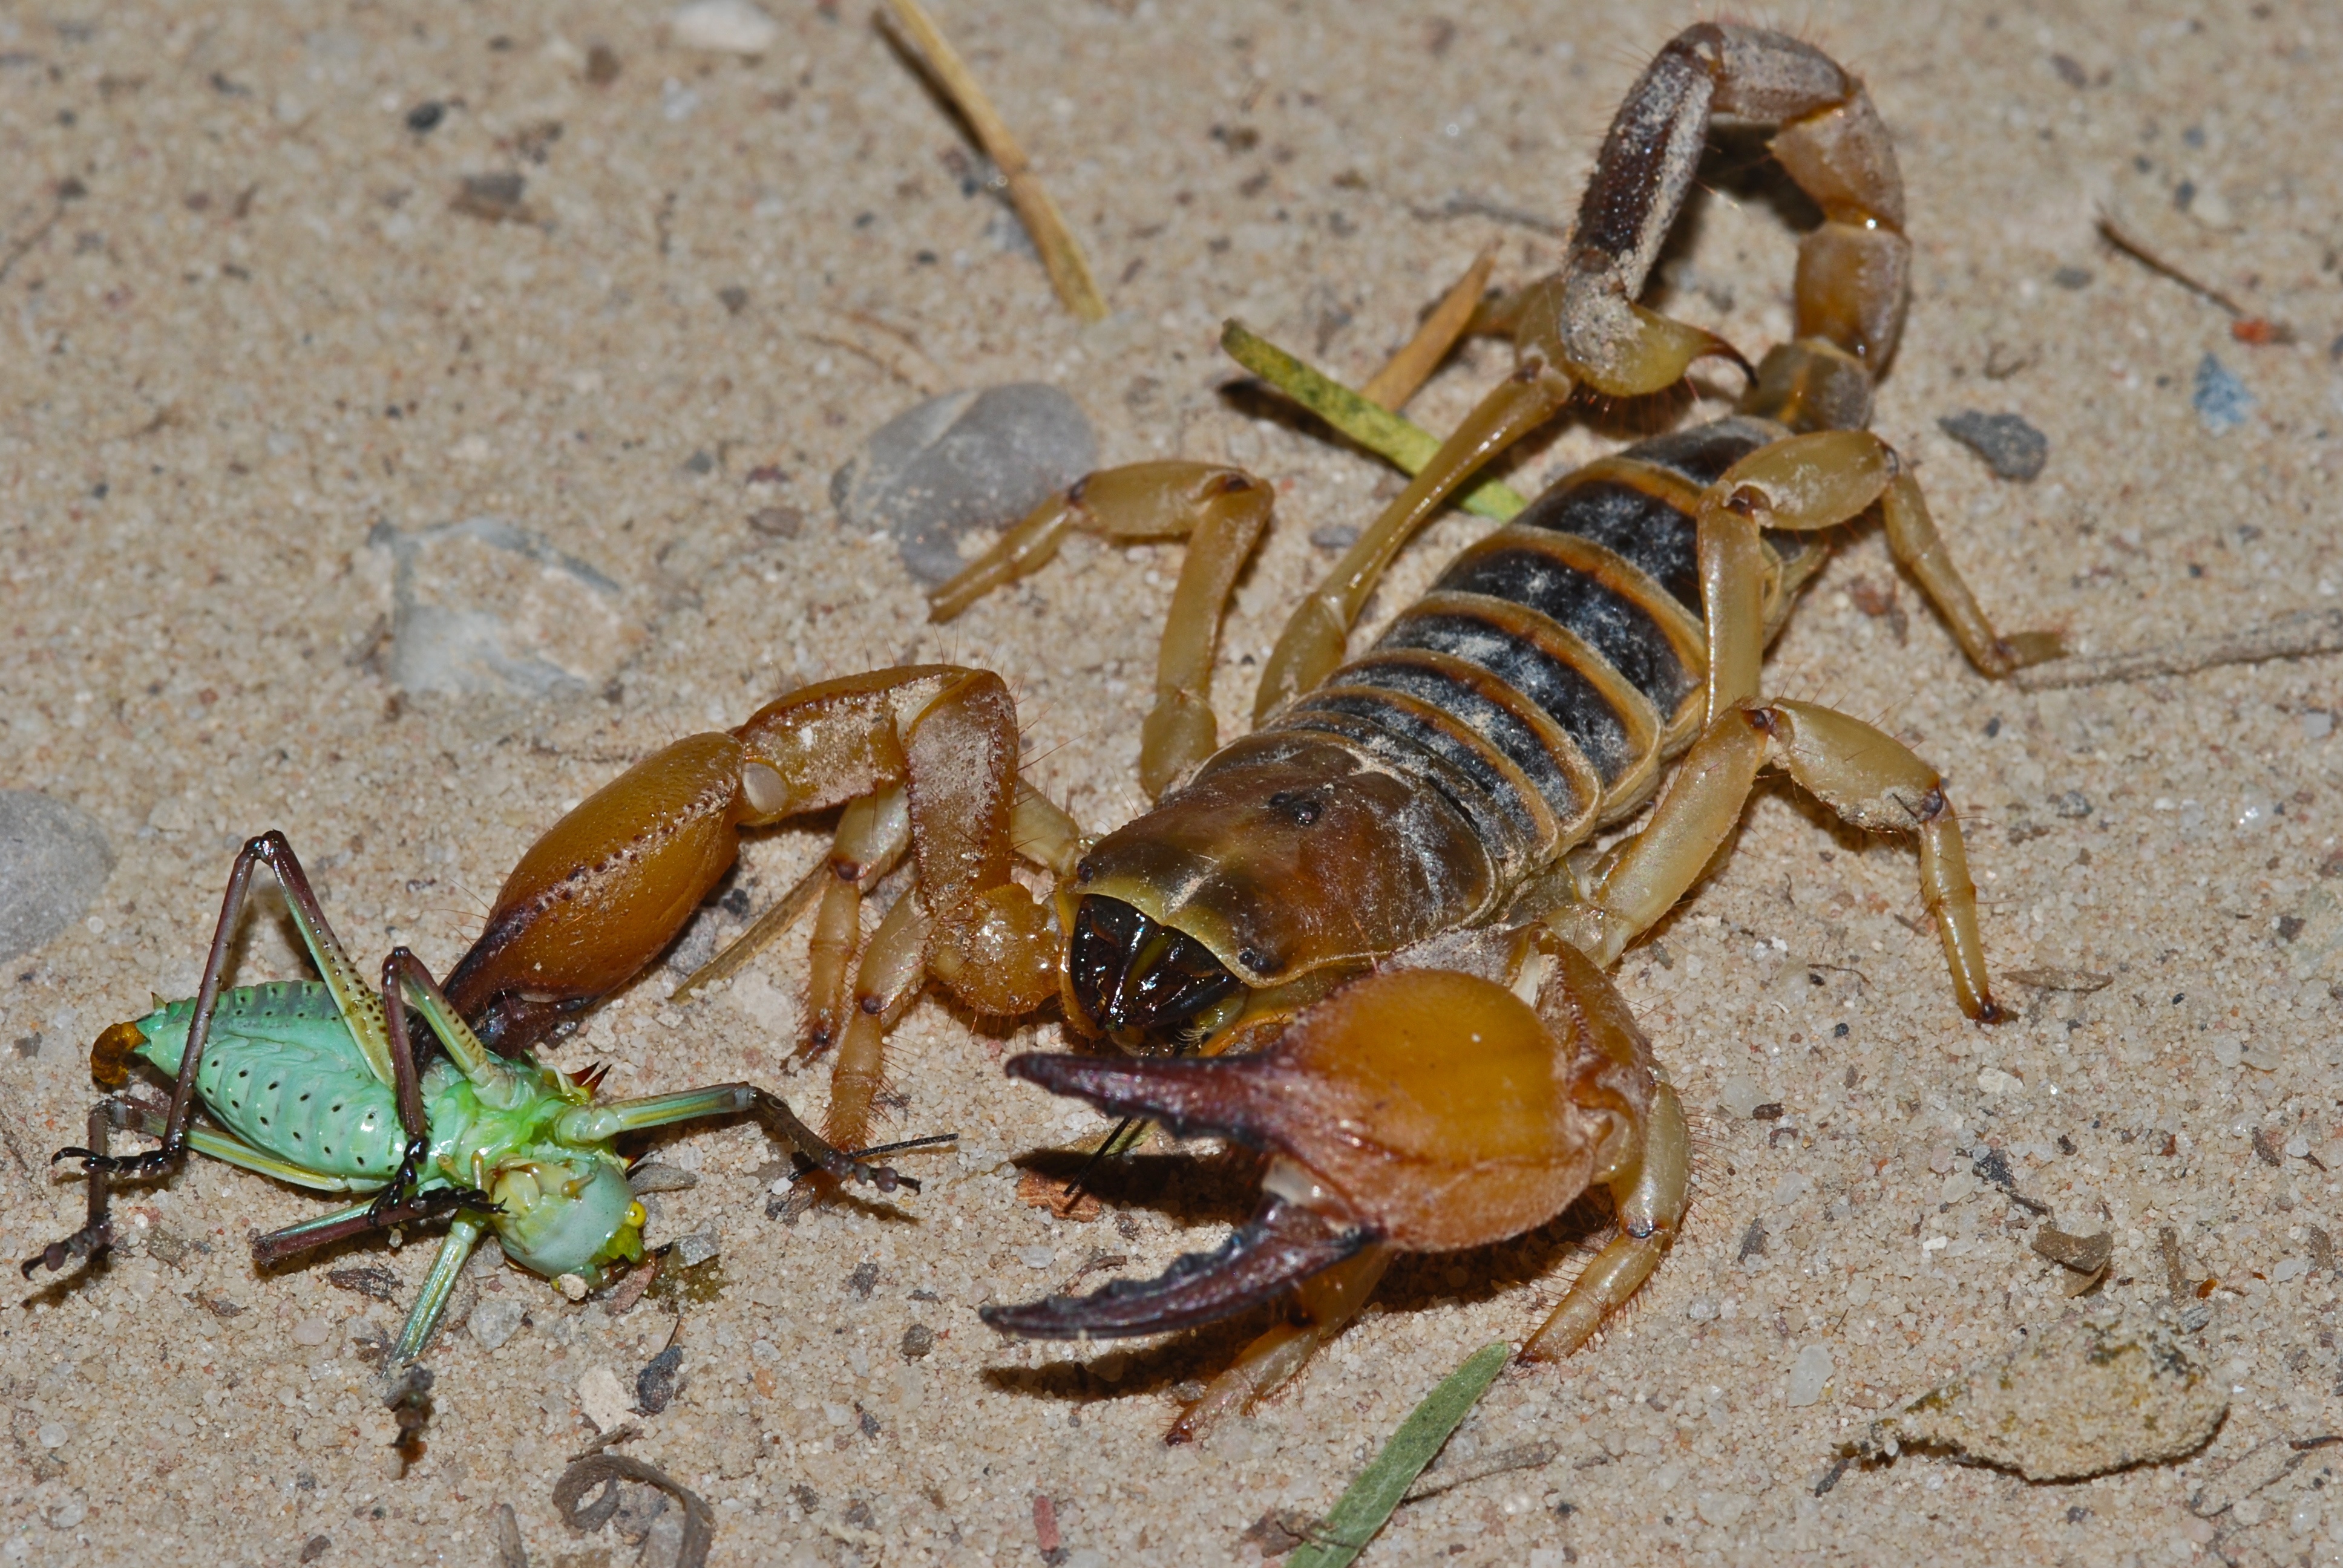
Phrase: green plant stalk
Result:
[1407,446]
[1369,1503]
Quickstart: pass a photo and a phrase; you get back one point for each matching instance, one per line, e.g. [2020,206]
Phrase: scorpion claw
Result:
[1283,1245]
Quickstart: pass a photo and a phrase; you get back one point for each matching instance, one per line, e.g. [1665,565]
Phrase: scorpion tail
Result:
[1282,1246]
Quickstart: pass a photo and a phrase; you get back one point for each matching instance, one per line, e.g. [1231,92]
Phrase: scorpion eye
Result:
[1299,807]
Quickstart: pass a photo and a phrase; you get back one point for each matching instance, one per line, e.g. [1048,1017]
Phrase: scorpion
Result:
[1370,937]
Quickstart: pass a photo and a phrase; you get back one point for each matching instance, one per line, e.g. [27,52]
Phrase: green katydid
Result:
[315,1082]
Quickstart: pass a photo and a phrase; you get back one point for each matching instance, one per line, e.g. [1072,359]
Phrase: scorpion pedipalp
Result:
[1412,1111]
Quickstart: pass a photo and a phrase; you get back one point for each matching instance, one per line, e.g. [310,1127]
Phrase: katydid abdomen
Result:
[283,1074]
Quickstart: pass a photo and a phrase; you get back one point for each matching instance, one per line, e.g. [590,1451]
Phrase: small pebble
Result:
[965,460]
[573,1287]
[601,1398]
[2074,805]
[724,27]
[494,1321]
[2318,724]
[312,1332]
[1809,1375]
[53,1435]
[659,1380]
[1741,1096]
[697,1248]
[2010,447]
[1037,1257]
[493,197]
[54,859]
[425,116]
[2222,400]
[777,522]
[918,1341]
[2072,278]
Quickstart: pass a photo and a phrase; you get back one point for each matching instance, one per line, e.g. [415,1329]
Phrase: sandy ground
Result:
[247,322]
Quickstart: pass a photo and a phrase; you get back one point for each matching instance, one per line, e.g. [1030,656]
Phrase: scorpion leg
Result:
[1814,481]
[1911,535]
[949,737]
[874,832]
[1649,1204]
[1867,778]
[1314,637]
[1220,511]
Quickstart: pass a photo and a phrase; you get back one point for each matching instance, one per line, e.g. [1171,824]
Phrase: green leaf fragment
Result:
[1407,446]
[1370,1499]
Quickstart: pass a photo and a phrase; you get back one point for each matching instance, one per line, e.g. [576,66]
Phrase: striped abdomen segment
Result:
[1555,662]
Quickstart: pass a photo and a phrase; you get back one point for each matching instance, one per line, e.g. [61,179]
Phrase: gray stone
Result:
[2222,401]
[962,461]
[697,1248]
[483,607]
[496,1320]
[53,857]
[2010,447]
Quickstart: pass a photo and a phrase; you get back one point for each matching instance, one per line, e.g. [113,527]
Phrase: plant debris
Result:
[2078,1399]
[2088,1256]
[606,1470]
[2303,634]
[1370,1499]
[1070,269]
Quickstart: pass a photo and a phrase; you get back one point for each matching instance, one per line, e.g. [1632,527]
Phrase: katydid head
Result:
[569,1212]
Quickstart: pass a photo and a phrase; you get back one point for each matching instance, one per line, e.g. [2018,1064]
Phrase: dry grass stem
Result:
[1413,365]
[2299,636]
[1069,270]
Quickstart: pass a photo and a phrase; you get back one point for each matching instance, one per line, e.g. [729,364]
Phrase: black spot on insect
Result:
[246,1072]
[1299,807]
[304,1098]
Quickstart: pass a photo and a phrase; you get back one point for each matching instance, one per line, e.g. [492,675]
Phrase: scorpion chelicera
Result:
[1320,941]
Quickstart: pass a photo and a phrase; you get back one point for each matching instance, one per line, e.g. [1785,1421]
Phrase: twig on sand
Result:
[1069,270]
[2301,635]
[1413,365]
